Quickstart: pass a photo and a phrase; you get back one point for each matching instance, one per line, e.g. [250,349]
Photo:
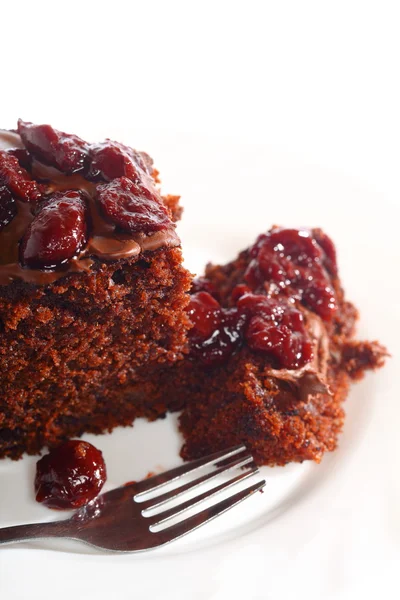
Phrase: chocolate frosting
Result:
[10,139]
[310,379]
[105,242]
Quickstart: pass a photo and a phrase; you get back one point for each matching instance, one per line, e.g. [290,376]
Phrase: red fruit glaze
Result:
[64,151]
[217,333]
[17,179]
[205,314]
[70,475]
[202,284]
[111,160]
[132,206]
[57,232]
[329,249]
[276,327]
[23,157]
[291,262]
[268,325]
[238,291]
[8,207]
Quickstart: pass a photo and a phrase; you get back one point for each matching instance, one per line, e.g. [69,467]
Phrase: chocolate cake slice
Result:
[272,352]
[97,327]
[92,287]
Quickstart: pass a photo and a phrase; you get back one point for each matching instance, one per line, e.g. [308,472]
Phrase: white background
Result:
[316,79]
[319,78]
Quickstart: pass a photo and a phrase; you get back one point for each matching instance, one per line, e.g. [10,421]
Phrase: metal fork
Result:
[118,520]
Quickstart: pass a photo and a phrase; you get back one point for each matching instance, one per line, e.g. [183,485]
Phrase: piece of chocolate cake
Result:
[272,352]
[95,316]
[92,288]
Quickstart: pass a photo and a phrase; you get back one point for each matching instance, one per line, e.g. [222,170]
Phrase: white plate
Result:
[331,529]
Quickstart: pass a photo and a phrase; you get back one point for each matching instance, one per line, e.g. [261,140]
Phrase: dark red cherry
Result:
[17,179]
[70,476]
[320,297]
[238,291]
[296,245]
[329,249]
[202,284]
[111,160]
[64,151]
[23,157]
[57,233]
[205,314]
[278,328]
[217,332]
[132,206]
[8,207]
[294,263]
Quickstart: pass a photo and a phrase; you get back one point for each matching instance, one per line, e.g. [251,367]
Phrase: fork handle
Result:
[20,533]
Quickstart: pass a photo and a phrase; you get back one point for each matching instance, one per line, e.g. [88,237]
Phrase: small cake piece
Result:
[92,287]
[272,352]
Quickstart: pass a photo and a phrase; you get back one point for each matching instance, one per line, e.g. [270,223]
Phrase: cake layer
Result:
[82,353]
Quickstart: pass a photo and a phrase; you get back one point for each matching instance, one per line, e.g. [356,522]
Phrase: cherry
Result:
[278,328]
[238,291]
[111,160]
[17,179]
[266,324]
[64,151]
[57,233]
[320,297]
[23,157]
[329,249]
[132,206]
[292,262]
[205,314]
[296,245]
[217,332]
[70,475]
[202,284]
[8,207]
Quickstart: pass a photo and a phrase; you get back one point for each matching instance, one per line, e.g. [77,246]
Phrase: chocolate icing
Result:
[310,379]
[105,242]
[9,140]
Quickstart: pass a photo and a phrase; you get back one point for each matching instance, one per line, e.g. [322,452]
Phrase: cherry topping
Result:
[70,475]
[8,207]
[111,160]
[296,245]
[320,297]
[217,333]
[23,157]
[292,262]
[64,151]
[17,179]
[205,314]
[132,206]
[278,328]
[202,284]
[239,290]
[329,249]
[57,232]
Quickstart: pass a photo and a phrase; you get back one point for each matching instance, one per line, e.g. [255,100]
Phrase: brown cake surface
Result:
[92,288]
[272,352]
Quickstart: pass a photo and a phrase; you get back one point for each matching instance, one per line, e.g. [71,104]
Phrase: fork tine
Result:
[176,492]
[176,510]
[205,516]
[157,481]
